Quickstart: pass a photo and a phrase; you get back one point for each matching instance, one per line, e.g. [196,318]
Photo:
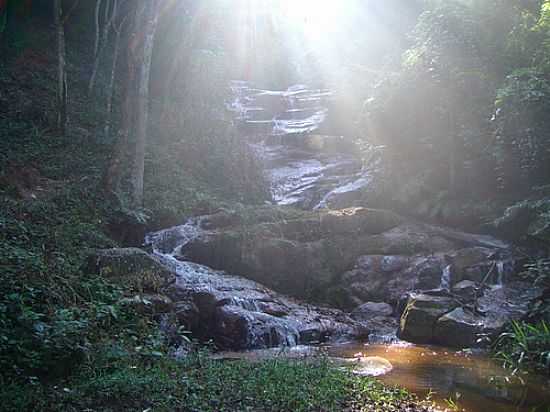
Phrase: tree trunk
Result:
[61,72]
[101,41]
[111,87]
[96,20]
[142,112]
[113,174]
[452,154]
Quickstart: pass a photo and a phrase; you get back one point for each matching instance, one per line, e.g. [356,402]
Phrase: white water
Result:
[295,110]
[166,244]
[446,278]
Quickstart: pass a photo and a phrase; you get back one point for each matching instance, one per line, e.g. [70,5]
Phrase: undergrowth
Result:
[118,379]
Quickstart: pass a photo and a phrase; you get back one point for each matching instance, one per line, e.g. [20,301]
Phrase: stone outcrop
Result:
[465,321]
[132,267]
[363,260]
[235,312]
[357,254]
[421,315]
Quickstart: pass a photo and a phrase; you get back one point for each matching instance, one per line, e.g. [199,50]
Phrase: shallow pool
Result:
[474,381]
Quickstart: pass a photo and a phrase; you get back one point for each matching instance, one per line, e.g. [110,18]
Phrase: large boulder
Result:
[419,319]
[466,322]
[238,313]
[458,328]
[355,254]
[301,256]
[388,277]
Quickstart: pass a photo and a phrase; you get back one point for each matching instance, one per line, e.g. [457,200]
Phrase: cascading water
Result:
[446,278]
[500,273]
[300,170]
[166,245]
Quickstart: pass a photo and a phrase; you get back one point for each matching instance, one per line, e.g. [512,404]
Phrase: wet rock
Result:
[370,310]
[419,319]
[387,278]
[131,267]
[371,366]
[466,290]
[445,321]
[241,314]
[373,254]
[458,328]
[150,304]
[358,220]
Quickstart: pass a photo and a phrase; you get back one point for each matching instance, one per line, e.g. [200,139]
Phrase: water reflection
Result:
[476,381]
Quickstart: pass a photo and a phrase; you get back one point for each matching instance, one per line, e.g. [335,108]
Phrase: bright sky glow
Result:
[316,17]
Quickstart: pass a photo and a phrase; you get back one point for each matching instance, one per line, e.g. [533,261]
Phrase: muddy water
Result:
[476,382]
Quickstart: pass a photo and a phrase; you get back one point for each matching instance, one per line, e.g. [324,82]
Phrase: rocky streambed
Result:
[368,272]
[318,266]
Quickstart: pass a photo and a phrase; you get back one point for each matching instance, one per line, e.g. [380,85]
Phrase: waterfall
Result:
[501,273]
[168,242]
[446,278]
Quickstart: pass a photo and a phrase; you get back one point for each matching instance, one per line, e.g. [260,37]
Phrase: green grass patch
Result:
[122,381]
[525,346]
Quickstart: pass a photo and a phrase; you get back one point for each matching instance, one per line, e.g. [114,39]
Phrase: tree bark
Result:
[114,172]
[101,41]
[142,111]
[111,87]
[96,20]
[61,70]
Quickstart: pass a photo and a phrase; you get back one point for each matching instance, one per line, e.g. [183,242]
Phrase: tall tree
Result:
[61,71]
[150,20]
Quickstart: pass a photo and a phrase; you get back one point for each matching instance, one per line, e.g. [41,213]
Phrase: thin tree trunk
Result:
[96,15]
[452,154]
[111,87]
[142,112]
[61,71]
[101,41]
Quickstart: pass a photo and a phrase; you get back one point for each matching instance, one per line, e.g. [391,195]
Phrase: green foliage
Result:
[120,379]
[527,218]
[522,127]
[524,346]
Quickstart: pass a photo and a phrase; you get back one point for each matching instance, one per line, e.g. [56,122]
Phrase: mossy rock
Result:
[132,268]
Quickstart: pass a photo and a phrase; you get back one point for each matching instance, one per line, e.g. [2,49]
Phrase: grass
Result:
[525,346]
[118,380]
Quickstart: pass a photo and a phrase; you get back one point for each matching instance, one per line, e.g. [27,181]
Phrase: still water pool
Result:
[474,381]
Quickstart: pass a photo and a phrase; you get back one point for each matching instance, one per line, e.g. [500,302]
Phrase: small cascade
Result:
[504,270]
[354,186]
[166,244]
[229,297]
[292,111]
[305,169]
[500,273]
[446,278]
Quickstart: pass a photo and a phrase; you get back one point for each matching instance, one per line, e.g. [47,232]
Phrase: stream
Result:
[303,174]
[313,171]
[473,380]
